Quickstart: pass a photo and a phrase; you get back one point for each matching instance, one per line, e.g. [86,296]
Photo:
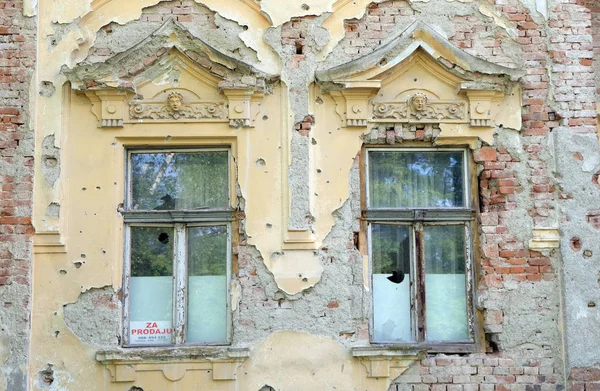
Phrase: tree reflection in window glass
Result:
[179,180]
[400,179]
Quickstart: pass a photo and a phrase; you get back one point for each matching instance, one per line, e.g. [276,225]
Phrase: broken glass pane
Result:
[445,285]
[179,180]
[390,256]
[207,284]
[400,179]
[151,286]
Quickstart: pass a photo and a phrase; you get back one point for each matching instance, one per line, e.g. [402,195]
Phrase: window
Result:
[419,230]
[177,240]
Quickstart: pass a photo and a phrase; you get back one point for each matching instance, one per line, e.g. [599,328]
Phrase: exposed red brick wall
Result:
[17,62]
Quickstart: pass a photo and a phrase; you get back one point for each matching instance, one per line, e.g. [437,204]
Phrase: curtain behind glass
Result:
[207,284]
[179,180]
[403,179]
[445,283]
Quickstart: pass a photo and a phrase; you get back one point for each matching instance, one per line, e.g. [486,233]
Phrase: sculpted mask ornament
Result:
[418,101]
[175,101]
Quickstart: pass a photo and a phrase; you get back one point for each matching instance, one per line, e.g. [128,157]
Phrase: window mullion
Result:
[420,278]
[180,275]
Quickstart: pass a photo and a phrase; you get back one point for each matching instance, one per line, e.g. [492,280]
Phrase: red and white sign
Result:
[150,333]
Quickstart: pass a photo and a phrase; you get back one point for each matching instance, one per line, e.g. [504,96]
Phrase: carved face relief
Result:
[418,102]
[175,101]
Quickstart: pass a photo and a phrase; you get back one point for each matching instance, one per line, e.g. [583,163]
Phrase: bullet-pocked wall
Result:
[297,95]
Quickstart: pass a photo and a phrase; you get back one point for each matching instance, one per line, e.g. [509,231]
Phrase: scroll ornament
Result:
[176,109]
[418,109]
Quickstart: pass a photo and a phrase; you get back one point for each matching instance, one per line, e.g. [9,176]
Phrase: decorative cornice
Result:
[125,365]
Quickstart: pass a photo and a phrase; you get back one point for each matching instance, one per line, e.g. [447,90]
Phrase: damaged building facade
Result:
[279,195]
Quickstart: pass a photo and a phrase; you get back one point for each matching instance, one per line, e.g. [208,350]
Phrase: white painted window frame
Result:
[180,222]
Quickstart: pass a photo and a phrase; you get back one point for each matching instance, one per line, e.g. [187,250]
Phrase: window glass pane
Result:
[207,284]
[151,286]
[445,285]
[390,246]
[179,180]
[400,179]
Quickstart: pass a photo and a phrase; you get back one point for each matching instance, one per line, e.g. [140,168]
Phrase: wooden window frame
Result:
[417,218]
[180,221]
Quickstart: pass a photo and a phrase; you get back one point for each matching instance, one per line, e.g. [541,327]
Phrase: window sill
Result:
[125,364]
[468,347]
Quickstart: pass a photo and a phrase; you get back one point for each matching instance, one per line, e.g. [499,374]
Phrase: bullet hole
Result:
[587,253]
[266,387]
[84,188]
[136,388]
[383,62]
[319,170]
[97,187]
[575,244]
[168,138]
[313,141]
[115,183]
[299,275]
[163,237]
[591,304]
[50,161]
[103,251]
[319,100]
[305,7]
[83,256]
[305,279]
[415,79]
[47,375]
[269,225]
[261,162]
[299,46]
[56,334]
[47,89]
[63,272]
[265,117]
[77,264]
[245,28]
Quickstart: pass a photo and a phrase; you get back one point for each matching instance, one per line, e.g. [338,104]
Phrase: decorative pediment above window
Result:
[420,78]
[186,80]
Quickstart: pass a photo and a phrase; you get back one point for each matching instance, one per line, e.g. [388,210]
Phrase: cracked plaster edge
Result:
[334,23]
[76,44]
[499,20]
